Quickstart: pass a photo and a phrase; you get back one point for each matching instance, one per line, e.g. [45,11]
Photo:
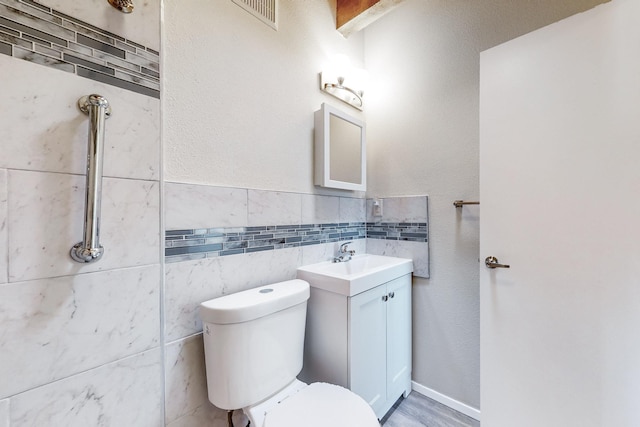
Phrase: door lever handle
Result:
[492,262]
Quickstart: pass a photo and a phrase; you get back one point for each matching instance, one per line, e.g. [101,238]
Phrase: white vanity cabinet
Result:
[362,342]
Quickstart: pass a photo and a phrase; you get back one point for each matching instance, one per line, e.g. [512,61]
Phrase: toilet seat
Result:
[322,405]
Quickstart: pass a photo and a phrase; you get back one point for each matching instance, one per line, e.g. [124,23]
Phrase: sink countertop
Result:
[361,273]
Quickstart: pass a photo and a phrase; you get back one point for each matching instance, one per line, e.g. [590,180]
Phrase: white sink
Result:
[361,273]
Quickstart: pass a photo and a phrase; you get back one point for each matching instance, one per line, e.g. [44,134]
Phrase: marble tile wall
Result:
[141,26]
[191,282]
[56,138]
[186,371]
[186,388]
[403,229]
[189,206]
[4,256]
[130,224]
[39,34]
[246,221]
[127,392]
[80,344]
[397,214]
[55,327]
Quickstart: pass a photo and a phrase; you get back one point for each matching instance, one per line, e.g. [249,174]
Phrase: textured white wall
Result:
[422,119]
[239,97]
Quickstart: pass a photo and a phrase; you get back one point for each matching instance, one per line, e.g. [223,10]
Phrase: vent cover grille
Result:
[264,10]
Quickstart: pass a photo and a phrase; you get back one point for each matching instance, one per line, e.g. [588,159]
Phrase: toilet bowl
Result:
[253,352]
[313,405]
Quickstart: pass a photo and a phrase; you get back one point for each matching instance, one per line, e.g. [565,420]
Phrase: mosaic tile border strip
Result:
[406,231]
[186,245]
[191,244]
[39,34]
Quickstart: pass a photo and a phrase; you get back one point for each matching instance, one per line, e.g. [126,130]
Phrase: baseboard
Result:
[446,400]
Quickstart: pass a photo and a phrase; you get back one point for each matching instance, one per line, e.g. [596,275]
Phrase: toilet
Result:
[254,344]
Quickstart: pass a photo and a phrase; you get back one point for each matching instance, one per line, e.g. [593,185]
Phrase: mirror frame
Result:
[322,144]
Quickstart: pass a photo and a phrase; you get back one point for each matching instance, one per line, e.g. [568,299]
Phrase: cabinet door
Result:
[399,337]
[367,346]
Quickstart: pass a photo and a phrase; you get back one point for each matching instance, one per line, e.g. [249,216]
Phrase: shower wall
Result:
[80,345]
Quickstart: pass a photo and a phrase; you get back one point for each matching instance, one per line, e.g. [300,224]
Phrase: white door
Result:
[560,194]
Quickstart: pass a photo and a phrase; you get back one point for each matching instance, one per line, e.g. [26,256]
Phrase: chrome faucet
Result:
[344,254]
[124,6]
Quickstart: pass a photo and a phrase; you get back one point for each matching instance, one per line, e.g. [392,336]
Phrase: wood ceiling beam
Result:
[354,15]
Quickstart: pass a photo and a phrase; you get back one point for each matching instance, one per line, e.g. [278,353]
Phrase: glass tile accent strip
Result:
[185,245]
[190,244]
[44,36]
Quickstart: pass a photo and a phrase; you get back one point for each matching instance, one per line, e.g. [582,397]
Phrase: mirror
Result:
[340,154]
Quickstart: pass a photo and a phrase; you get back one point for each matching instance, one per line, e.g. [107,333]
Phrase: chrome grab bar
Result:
[98,109]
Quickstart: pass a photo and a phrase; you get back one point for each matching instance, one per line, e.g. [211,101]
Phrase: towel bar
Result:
[460,203]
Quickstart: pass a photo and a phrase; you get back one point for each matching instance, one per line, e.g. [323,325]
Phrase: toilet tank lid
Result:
[254,303]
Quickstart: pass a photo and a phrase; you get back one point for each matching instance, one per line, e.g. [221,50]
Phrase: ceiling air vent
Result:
[264,10]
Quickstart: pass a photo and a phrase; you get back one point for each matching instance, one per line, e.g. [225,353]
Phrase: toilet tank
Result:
[254,342]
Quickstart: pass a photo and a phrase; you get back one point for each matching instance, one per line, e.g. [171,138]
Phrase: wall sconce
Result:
[344,82]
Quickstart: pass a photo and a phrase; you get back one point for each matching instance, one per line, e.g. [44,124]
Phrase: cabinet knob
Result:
[392,294]
[385,298]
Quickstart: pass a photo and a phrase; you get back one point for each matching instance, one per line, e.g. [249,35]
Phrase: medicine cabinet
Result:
[340,150]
